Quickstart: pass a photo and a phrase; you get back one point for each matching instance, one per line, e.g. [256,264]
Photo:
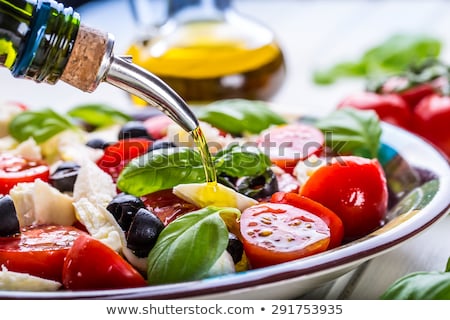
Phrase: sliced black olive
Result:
[134,129]
[235,247]
[143,232]
[124,207]
[161,145]
[9,223]
[64,176]
[97,143]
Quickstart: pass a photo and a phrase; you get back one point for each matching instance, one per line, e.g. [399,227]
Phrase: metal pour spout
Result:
[125,75]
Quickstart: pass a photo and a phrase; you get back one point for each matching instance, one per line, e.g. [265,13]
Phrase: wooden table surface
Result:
[312,34]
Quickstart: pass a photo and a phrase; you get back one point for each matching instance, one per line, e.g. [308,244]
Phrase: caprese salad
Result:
[95,198]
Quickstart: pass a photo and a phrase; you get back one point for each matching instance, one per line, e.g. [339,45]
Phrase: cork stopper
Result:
[84,66]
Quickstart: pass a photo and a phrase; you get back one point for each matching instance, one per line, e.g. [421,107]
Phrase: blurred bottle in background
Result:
[205,50]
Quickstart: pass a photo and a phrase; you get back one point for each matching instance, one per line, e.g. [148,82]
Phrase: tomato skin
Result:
[15,169]
[274,233]
[390,108]
[92,265]
[38,250]
[355,189]
[431,120]
[166,205]
[117,155]
[287,144]
[329,217]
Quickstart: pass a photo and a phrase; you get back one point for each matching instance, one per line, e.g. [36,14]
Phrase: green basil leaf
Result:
[238,116]
[354,131]
[41,125]
[240,161]
[189,246]
[99,115]
[420,286]
[161,169]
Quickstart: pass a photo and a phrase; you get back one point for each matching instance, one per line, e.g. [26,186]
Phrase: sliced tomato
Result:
[117,155]
[287,144]
[166,205]
[92,265]
[15,169]
[355,189]
[329,217]
[38,250]
[274,233]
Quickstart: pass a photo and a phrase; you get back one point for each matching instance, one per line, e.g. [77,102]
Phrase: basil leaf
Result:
[161,169]
[420,286]
[238,116]
[354,131]
[99,115]
[240,161]
[41,125]
[189,246]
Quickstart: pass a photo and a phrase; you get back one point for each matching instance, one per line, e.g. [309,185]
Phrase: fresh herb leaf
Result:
[99,115]
[421,286]
[238,116]
[161,169]
[41,125]
[189,246]
[392,56]
[239,161]
[352,131]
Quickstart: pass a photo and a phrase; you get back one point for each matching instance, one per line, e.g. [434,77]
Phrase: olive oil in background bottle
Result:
[206,51]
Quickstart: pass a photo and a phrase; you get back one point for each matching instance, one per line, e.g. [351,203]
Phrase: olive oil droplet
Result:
[200,141]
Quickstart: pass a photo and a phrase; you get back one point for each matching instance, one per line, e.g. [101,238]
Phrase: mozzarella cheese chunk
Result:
[28,149]
[39,203]
[14,281]
[207,194]
[7,112]
[304,169]
[223,265]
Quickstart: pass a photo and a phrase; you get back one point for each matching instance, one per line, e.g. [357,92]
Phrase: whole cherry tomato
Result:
[389,107]
[274,233]
[431,119]
[287,144]
[92,265]
[329,217]
[117,155]
[38,250]
[15,169]
[355,189]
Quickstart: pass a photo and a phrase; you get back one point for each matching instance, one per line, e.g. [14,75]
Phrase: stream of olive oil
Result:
[208,165]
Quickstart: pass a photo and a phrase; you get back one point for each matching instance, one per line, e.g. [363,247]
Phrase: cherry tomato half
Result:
[329,217]
[38,250]
[92,265]
[273,233]
[287,144]
[355,189]
[166,205]
[117,155]
[389,107]
[15,169]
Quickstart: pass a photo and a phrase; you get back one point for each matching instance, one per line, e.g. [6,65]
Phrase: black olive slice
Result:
[64,176]
[124,207]
[9,223]
[235,247]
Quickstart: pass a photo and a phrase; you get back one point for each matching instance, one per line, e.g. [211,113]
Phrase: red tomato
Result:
[166,205]
[355,189]
[117,155]
[39,250]
[329,217]
[15,169]
[431,120]
[274,233]
[287,144]
[157,126]
[92,265]
[389,107]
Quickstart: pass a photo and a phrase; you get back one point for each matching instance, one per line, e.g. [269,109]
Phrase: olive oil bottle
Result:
[206,51]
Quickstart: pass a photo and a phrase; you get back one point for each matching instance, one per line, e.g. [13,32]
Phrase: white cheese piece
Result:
[15,281]
[7,143]
[140,264]
[304,169]
[28,149]
[206,194]
[39,203]
[7,112]
[223,265]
